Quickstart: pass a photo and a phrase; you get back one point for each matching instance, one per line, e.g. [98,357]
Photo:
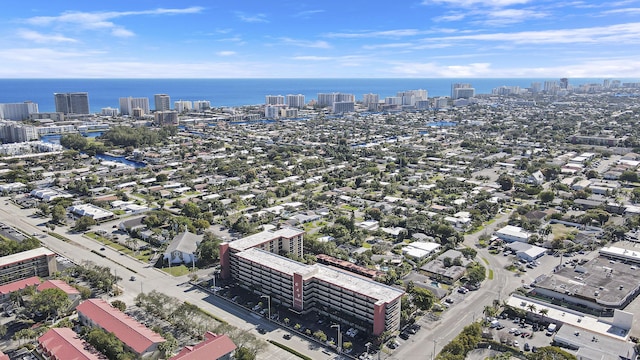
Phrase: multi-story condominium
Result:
[162,102]
[53,116]
[295,101]
[109,111]
[166,117]
[536,87]
[201,105]
[393,100]
[64,343]
[456,86]
[441,102]
[422,105]
[550,87]
[341,107]
[371,101]
[12,132]
[343,296]
[18,111]
[127,104]
[274,100]
[463,93]
[289,113]
[272,111]
[72,103]
[410,97]
[39,262]
[183,105]
[325,99]
[564,83]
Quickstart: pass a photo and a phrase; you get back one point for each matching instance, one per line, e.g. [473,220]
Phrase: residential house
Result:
[182,248]
[7,289]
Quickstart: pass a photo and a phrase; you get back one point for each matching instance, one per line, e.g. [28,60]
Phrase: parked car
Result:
[526,347]
[286,336]
[262,330]
[404,335]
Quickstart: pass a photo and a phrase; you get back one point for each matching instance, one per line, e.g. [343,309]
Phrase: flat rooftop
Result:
[569,317]
[25,255]
[264,236]
[603,281]
[344,279]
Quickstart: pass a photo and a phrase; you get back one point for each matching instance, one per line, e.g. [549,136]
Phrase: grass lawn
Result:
[176,270]
[349,208]
[560,231]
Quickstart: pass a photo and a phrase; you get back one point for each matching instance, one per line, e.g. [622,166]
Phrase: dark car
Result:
[262,330]
[534,349]
[526,347]
[286,336]
[404,335]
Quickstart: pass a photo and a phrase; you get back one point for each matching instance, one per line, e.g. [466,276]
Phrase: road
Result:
[79,250]
[466,308]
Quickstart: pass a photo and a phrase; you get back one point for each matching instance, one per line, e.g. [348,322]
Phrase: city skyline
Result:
[251,39]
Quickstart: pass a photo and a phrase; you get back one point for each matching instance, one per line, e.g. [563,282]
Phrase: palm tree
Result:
[543,312]
[531,308]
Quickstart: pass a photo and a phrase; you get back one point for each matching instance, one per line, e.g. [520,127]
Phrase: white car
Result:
[515,343]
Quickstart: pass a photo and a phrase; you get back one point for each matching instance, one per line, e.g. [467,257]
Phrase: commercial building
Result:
[72,103]
[162,102]
[40,262]
[328,291]
[512,233]
[128,104]
[135,336]
[616,253]
[526,251]
[600,285]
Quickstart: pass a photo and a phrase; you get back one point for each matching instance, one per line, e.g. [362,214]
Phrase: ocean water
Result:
[234,92]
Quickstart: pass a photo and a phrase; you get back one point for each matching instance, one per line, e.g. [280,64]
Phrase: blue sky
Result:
[320,39]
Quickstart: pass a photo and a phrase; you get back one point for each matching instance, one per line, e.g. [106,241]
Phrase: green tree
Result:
[208,251]
[320,335]
[169,346]
[546,196]
[243,353]
[630,176]
[422,298]
[50,302]
[506,182]
[476,273]
[119,304]
[58,214]
[550,352]
[191,210]
[84,223]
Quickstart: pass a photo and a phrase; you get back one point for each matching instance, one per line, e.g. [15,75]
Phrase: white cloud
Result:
[226,53]
[624,11]
[102,20]
[588,68]
[450,17]
[379,34]
[512,16]
[474,3]
[629,32]
[307,13]
[44,38]
[256,18]
[313,58]
[319,44]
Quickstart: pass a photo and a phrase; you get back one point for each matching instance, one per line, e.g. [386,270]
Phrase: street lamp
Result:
[268,304]
[339,336]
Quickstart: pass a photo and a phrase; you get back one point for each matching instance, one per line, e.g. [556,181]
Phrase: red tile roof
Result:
[65,344]
[4,356]
[58,284]
[135,335]
[213,347]
[19,285]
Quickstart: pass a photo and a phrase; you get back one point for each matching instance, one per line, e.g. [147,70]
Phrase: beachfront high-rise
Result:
[325,99]
[274,100]
[127,104]
[72,103]
[295,101]
[462,91]
[162,102]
